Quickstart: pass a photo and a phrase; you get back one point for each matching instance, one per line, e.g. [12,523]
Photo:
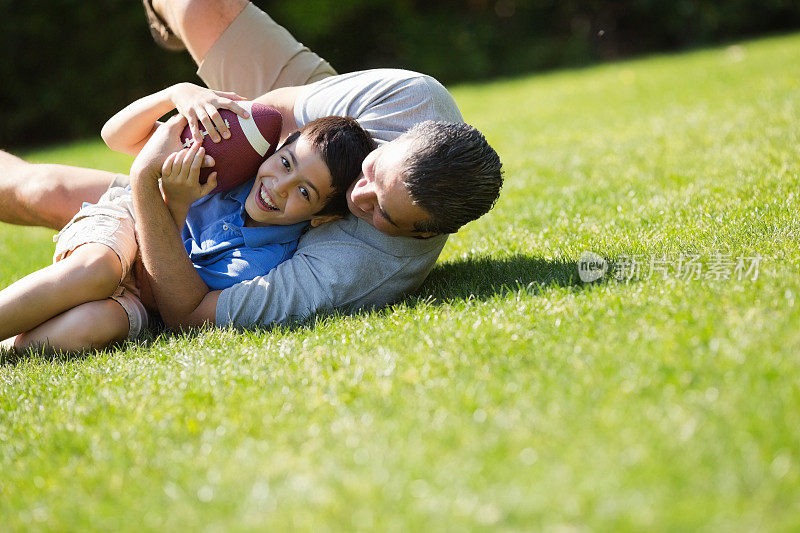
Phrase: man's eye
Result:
[304,192]
[286,164]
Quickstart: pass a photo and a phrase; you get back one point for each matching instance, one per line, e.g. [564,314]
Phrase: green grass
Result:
[505,393]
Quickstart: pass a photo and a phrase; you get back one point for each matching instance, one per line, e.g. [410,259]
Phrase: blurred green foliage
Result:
[68,65]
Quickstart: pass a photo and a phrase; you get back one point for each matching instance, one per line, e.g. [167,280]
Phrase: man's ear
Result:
[321,219]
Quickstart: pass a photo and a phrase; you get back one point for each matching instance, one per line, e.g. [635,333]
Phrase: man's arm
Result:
[283,100]
[182,297]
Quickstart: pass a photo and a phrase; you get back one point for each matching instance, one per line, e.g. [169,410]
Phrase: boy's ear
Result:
[321,219]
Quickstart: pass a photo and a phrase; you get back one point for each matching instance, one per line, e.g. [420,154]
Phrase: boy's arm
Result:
[129,129]
[283,100]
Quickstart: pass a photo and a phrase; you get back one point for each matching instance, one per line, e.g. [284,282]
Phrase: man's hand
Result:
[200,105]
[165,141]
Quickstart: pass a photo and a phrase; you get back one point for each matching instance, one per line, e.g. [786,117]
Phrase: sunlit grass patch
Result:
[505,392]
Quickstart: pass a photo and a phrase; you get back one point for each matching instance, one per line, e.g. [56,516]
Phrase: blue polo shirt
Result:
[223,251]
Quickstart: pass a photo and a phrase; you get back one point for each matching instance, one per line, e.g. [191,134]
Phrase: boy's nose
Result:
[282,186]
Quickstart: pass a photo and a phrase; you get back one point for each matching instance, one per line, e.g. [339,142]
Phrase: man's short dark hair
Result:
[343,145]
[452,173]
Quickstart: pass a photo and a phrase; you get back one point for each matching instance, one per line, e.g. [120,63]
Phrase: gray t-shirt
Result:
[348,264]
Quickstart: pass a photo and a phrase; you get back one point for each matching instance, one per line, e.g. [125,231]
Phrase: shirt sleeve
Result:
[346,276]
[386,102]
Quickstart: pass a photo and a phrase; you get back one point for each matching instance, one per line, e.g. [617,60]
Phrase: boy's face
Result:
[290,186]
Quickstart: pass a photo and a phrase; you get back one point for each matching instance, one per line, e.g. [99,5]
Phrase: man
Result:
[425,180]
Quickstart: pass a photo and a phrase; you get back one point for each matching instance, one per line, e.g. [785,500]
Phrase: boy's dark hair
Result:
[452,173]
[343,145]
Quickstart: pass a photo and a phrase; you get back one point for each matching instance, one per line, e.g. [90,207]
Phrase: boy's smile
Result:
[264,199]
[291,186]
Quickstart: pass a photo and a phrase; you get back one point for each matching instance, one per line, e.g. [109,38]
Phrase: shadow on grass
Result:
[484,277]
[11,357]
[475,277]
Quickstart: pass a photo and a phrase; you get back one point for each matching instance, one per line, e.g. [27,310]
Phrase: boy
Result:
[89,298]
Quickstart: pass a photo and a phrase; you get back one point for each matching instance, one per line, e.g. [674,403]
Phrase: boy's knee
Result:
[100,266]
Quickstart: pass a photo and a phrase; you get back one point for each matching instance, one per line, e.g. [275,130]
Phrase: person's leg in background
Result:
[238,47]
[197,24]
[46,195]
[49,195]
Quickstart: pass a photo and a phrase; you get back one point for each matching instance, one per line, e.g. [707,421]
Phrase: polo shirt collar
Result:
[260,235]
[256,236]
[240,192]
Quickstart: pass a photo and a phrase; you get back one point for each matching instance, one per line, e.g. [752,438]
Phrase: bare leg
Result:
[46,195]
[91,272]
[89,326]
[268,58]
[198,23]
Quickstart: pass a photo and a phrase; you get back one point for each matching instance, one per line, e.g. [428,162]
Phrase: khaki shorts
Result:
[109,222]
[255,55]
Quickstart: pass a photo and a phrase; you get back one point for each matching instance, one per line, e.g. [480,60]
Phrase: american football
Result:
[252,140]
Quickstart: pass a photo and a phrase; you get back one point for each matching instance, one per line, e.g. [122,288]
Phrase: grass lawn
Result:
[506,393]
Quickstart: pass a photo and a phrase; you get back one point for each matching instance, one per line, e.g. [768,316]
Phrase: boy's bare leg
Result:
[91,272]
[198,23]
[46,195]
[89,326]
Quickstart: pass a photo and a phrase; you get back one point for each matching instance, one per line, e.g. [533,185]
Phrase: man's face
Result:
[380,197]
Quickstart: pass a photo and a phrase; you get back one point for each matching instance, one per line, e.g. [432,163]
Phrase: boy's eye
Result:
[286,163]
[305,194]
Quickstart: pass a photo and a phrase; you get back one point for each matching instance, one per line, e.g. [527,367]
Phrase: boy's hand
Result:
[163,142]
[200,105]
[180,177]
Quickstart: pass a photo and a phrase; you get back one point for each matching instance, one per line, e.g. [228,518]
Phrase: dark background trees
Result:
[67,65]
